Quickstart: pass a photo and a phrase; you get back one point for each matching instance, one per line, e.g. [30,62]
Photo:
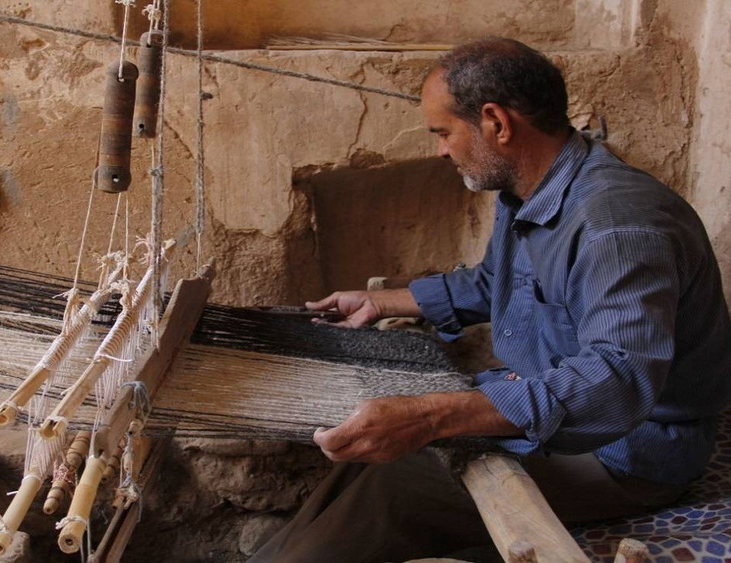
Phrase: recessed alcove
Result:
[403,220]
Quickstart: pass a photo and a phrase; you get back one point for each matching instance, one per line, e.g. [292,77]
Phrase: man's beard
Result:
[487,170]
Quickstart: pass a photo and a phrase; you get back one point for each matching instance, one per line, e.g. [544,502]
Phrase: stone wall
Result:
[312,187]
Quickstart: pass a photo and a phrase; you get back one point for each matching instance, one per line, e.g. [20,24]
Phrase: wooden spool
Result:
[18,508]
[113,174]
[149,60]
[69,540]
[75,456]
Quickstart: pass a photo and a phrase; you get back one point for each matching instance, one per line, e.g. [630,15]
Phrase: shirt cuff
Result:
[529,405]
[433,297]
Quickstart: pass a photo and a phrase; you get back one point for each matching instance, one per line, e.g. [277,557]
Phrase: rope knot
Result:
[140,399]
[128,3]
[69,519]
[156,172]
[153,13]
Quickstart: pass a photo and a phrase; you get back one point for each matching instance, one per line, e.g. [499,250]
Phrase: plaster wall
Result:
[295,169]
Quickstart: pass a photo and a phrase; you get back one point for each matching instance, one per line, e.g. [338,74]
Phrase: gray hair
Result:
[509,73]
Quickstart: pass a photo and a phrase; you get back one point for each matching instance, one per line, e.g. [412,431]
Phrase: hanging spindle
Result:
[149,59]
[113,174]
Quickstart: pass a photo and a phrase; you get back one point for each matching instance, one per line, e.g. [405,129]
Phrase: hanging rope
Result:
[218,59]
[127,5]
[158,191]
[200,214]
[154,14]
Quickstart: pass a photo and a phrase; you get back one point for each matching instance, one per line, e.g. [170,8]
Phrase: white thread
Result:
[140,399]
[83,236]
[154,14]
[200,167]
[127,4]
[108,357]
[158,191]
[70,519]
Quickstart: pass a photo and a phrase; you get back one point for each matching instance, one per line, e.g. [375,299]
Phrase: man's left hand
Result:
[379,430]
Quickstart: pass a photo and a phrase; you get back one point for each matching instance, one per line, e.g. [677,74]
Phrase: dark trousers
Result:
[414,508]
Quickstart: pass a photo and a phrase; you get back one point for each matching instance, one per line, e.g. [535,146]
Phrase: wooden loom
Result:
[521,523]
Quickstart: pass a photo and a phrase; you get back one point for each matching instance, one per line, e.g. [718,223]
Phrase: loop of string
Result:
[154,14]
[140,399]
[87,530]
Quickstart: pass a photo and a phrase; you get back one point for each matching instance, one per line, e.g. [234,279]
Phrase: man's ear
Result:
[495,121]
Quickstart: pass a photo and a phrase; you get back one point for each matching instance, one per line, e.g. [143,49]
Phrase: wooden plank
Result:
[514,511]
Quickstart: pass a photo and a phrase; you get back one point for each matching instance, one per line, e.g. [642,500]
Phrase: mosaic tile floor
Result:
[698,529]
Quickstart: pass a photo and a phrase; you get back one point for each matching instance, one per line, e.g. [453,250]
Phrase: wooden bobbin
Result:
[69,540]
[113,465]
[113,174]
[76,454]
[18,508]
[149,60]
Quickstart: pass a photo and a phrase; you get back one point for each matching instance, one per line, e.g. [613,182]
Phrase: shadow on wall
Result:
[402,220]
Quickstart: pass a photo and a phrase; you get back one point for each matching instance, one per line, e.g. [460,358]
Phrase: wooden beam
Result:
[516,513]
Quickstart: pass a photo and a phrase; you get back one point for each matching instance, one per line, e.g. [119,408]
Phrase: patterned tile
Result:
[698,529]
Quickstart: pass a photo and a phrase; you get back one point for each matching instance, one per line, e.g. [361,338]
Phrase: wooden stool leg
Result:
[631,551]
[516,513]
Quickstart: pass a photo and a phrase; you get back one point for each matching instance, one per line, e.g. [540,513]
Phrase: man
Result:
[606,306]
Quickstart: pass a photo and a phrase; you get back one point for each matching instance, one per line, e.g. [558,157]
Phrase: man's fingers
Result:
[347,323]
[328,302]
[331,440]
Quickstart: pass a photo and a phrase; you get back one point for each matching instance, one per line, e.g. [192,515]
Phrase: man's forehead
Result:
[435,84]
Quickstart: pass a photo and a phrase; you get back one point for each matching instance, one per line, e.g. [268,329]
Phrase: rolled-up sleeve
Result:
[622,296]
[458,299]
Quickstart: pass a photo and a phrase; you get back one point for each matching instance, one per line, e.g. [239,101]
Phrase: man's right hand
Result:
[361,308]
[357,307]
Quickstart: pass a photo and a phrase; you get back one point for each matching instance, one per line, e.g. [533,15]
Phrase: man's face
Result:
[478,162]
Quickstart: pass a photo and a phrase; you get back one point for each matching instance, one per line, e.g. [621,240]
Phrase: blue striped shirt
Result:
[605,299]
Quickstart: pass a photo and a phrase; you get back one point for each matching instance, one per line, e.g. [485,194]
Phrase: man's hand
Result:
[379,430]
[357,307]
[385,429]
[361,308]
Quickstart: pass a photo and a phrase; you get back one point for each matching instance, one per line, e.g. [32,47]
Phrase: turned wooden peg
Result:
[76,454]
[149,60]
[113,464]
[631,551]
[113,174]
[79,449]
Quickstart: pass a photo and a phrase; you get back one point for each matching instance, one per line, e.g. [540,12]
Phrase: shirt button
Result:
[508,332]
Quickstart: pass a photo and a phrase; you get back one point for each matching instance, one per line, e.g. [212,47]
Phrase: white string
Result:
[87,528]
[154,14]
[158,174]
[125,275]
[114,223]
[83,236]
[127,4]
[200,166]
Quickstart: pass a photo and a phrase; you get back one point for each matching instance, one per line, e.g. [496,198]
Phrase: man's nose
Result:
[442,148]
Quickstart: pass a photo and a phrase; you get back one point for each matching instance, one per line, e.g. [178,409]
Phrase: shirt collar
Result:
[546,200]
